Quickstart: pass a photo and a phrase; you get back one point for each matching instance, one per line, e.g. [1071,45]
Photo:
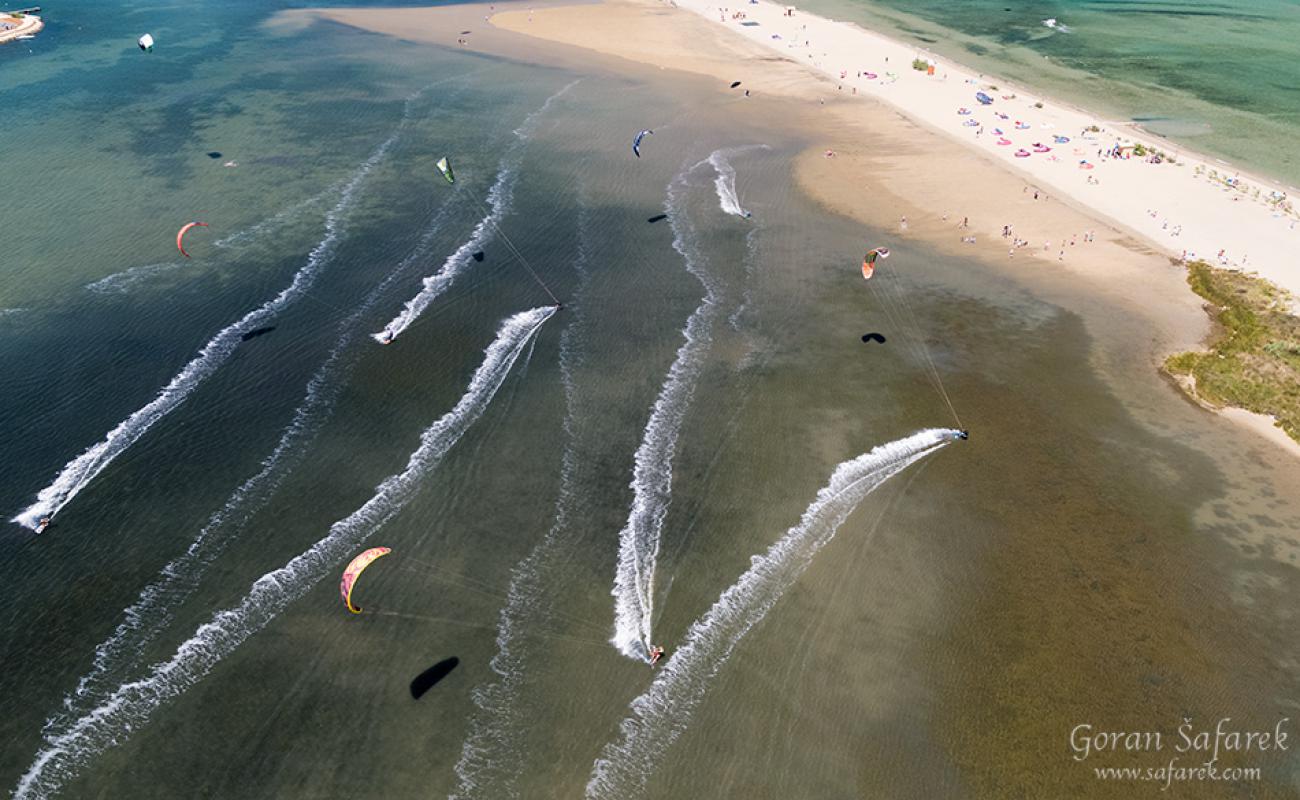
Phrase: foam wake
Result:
[652,473]
[128,279]
[492,757]
[152,611]
[124,281]
[664,711]
[725,182]
[278,220]
[131,705]
[80,471]
[500,198]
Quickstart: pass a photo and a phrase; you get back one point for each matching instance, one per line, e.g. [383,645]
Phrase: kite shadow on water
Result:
[256,332]
[432,676]
[873,337]
[657,218]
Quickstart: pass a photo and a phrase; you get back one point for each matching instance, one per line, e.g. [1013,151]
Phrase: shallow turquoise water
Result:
[1220,75]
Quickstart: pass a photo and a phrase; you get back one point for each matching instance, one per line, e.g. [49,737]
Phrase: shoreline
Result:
[888,161]
[26,25]
[1166,198]
[1120,261]
[1134,128]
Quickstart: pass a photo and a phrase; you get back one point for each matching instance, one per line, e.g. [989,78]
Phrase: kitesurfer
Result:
[961,435]
[656,653]
[45,523]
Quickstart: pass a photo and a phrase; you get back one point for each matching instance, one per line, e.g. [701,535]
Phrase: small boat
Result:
[1041,148]
[964,111]
[984,99]
[1022,153]
[1004,141]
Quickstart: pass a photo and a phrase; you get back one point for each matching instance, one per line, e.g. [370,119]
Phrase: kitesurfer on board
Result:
[656,653]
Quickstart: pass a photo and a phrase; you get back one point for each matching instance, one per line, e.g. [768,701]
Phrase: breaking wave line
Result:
[131,705]
[663,711]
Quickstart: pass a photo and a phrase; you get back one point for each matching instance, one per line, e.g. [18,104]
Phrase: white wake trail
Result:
[500,198]
[122,282]
[131,705]
[725,182]
[128,279]
[278,220]
[492,757]
[664,711]
[652,474]
[80,471]
[152,610]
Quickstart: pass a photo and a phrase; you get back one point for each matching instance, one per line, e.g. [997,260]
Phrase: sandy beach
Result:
[12,28]
[894,148]
[1188,206]
[1195,206]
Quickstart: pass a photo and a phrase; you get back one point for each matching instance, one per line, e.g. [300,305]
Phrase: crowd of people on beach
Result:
[1092,147]
[1008,232]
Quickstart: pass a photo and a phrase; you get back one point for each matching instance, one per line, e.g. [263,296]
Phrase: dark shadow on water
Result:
[432,676]
[214,154]
[657,218]
[478,256]
[256,332]
[873,337]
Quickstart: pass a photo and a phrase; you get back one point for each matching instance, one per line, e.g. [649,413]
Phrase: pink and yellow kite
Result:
[354,571]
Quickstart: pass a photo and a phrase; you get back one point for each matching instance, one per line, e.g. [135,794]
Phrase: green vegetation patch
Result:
[1253,361]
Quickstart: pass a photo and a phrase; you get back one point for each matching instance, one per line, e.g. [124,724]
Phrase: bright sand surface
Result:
[902,151]
[1156,200]
[23,26]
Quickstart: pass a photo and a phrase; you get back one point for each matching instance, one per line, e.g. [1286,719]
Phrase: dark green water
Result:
[335,135]
[1222,77]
